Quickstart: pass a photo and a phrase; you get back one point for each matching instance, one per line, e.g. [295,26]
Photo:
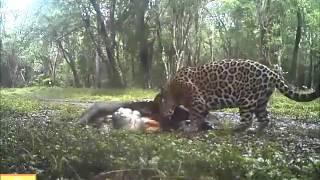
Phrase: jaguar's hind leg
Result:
[246,117]
[261,113]
[262,117]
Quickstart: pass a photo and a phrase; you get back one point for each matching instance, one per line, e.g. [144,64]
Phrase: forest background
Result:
[141,43]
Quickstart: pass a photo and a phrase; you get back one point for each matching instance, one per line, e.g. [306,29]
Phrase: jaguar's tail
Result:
[297,95]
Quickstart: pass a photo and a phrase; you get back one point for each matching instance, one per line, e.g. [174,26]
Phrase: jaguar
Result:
[228,83]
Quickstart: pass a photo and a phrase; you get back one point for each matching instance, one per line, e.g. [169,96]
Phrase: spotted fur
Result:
[245,84]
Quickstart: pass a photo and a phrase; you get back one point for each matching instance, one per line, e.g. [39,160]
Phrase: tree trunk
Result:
[314,56]
[150,57]
[54,69]
[76,80]
[116,79]
[161,49]
[86,20]
[293,69]
[310,72]
[263,7]
[180,38]
[142,34]
[300,76]
[225,39]
[97,72]
[70,61]
[211,49]
[133,72]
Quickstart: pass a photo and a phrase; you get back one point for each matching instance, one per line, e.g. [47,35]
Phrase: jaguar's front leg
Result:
[198,113]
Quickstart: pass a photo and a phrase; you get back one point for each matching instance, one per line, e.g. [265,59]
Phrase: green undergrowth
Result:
[63,150]
[83,94]
[17,104]
[60,149]
[14,104]
[53,146]
[281,105]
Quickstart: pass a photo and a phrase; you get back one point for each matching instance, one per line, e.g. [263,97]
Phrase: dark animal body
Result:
[245,84]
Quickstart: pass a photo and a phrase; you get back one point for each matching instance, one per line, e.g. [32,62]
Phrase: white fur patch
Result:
[125,118]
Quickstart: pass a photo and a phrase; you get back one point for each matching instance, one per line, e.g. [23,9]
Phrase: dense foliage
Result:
[141,43]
